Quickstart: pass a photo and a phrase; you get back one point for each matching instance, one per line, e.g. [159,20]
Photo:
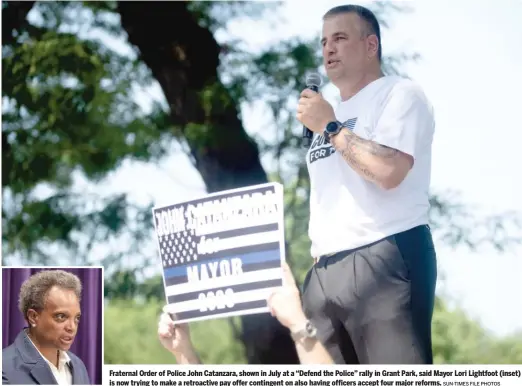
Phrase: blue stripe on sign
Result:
[249,258]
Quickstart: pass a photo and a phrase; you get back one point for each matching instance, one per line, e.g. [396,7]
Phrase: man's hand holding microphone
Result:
[313,111]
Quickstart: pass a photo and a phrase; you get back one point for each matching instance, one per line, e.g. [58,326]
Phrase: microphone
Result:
[313,81]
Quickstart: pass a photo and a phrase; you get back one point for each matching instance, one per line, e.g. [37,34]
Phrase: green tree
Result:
[457,339]
[130,336]
[69,113]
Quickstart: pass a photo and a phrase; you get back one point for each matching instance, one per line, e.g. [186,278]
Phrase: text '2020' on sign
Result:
[221,254]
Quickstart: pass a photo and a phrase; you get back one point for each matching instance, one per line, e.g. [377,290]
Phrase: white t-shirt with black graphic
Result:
[347,211]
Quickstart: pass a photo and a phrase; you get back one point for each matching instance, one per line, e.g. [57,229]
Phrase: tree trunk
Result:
[183,57]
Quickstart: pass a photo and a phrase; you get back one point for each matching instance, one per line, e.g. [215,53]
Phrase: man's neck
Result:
[49,353]
[353,86]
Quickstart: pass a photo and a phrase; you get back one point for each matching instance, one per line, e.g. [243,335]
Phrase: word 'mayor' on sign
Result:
[214,269]
[219,215]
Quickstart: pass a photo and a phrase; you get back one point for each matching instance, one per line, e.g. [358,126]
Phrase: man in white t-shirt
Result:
[371,290]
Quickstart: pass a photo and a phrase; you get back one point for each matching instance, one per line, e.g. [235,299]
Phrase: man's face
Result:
[57,323]
[345,53]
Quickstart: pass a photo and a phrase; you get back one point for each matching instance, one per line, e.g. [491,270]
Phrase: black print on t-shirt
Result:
[321,149]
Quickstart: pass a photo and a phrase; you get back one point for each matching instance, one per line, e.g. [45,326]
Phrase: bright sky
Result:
[471,71]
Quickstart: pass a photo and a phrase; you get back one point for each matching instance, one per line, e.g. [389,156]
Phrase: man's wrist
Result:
[298,323]
[326,122]
[303,330]
[335,138]
[331,129]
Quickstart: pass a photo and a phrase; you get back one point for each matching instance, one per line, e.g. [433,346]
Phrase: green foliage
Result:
[70,112]
[124,284]
[459,340]
[131,336]
[131,328]
[68,109]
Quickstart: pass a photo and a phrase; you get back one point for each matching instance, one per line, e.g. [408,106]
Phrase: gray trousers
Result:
[374,304]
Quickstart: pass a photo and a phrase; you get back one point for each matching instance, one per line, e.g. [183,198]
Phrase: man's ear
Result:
[373,45]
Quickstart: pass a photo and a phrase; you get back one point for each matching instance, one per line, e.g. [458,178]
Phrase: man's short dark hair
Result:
[372,25]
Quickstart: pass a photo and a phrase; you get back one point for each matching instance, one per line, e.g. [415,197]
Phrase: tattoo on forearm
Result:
[352,147]
[350,154]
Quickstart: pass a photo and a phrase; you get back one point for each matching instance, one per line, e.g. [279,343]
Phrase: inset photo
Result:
[52,325]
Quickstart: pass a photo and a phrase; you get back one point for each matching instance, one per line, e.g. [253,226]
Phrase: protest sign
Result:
[221,254]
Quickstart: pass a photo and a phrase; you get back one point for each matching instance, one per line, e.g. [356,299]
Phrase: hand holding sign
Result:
[175,338]
[285,302]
